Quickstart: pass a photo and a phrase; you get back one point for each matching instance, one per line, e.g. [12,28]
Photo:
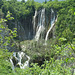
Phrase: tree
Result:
[13,1]
[5,40]
[50,0]
[1,2]
[56,0]
[45,1]
[23,1]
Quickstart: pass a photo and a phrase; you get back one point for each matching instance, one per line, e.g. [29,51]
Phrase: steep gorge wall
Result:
[29,27]
[24,28]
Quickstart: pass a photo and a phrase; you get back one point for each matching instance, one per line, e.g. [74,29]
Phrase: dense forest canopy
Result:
[56,54]
[40,1]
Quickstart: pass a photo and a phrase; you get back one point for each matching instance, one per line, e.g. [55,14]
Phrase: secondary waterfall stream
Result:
[19,59]
[53,20]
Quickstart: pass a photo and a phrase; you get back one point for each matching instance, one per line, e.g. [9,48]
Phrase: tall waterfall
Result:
[19,59]
[53,20]
[40,24]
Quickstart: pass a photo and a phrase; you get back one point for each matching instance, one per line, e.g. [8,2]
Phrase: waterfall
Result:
[34,22]
[12,64]
[41,29]
[19,59]
[40,24]
[53,20]
[52,16]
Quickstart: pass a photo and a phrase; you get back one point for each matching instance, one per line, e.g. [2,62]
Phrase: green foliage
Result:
[55,0]
[67,34]
[20,9]
[23,1]
[60,64]
[5,39]
[58,54]
[8,16]
[58,58]
[66,23]
[66,17]
[1,2]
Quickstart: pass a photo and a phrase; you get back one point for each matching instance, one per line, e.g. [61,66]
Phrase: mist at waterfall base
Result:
[20,59]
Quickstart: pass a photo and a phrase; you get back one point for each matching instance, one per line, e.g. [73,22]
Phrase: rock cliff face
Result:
[24,28]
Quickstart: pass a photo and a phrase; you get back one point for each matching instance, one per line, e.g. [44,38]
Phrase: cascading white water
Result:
[53,20]
[41,29]
[34,22]
[20,59]
[52,16]
[12,64]
[41,24]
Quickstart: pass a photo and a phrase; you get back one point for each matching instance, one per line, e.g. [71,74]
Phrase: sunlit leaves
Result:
[2,20]
[8,16]
[62,39]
